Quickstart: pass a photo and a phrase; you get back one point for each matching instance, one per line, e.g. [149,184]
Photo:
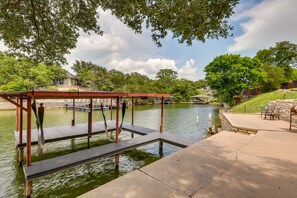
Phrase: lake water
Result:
[179,119]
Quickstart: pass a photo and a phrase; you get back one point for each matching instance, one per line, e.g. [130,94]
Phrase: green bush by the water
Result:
[254,104]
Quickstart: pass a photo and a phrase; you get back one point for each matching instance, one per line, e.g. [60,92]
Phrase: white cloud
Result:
[117,43]
[188,71]
[268,22]
[151,66]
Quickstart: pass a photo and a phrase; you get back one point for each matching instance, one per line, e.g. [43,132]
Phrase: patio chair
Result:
[271,111]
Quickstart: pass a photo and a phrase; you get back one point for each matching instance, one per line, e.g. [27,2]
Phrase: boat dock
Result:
[27,138]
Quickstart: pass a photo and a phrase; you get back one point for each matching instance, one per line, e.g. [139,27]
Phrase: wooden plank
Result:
[45,167]
[53,134]
[138,129]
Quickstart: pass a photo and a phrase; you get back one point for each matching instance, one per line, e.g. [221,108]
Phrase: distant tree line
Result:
[166,81]
[22,74]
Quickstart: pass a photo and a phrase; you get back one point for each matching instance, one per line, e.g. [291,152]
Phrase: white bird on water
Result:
[209,116]
[197,119]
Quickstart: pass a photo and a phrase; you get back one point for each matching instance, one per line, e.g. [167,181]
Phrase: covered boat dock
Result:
[28,137]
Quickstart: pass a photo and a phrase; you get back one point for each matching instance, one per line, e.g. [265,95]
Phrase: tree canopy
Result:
[229,75]
[113,80]
[47,30]
[283,55]
[22,74]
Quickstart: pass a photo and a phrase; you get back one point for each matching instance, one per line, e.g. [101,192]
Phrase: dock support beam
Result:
[117,160]
[90,120]
[161,127]
[28,188]
[20,156]
[73,113]
[162,116]
[28,144]
[17,115]
[20,152]
[117,120]
[132,134]
[21,122]
[110,109]
[28,184]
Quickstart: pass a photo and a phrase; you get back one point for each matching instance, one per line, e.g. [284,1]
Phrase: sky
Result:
[258,24]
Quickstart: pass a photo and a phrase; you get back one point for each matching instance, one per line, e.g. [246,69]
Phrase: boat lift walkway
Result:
[49,166]
[57,133]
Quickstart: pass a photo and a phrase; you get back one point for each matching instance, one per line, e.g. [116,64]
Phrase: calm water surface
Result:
[179,119]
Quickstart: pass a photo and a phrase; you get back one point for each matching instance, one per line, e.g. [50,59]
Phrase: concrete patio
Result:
[258,123]
[227,164]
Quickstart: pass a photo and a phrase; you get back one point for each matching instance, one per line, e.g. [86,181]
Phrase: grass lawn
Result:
[253,105]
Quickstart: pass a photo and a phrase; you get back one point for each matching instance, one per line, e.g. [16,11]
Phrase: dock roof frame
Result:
[76,95]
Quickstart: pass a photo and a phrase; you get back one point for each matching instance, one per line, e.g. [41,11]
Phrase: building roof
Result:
[200,96]
[70,75]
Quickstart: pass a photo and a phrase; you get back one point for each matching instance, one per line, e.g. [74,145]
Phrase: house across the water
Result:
[67,80]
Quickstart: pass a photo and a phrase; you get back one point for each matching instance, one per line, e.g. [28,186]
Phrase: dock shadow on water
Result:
[179,119]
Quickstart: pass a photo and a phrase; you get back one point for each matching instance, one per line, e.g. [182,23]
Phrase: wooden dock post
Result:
[28,188]
[161,127]
[90,120]
[132,134]
[110,109]
[17,115]
[73,113]
[28,184]
[21,121]
[28,144]
[117,120]
[117,156]
[20,155]
[117,160]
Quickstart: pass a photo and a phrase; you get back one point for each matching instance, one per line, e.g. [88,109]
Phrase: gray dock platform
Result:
[45,167]
[53,134]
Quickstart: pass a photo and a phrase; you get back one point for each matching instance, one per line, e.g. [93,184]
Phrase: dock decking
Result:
[52,134]
[49,166]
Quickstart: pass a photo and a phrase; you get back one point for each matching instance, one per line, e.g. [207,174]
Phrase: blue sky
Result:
[258,24]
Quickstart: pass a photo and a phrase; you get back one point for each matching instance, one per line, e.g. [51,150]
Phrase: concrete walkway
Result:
[255,122]
[225,165]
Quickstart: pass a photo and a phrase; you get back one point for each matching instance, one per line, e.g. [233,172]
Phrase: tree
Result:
[92,75]
[283,55]
[275,76]
[137,83]
[47,30]
[22,74]
[229,75]
[184,89]
[166,79]
[117,78]
[201,83]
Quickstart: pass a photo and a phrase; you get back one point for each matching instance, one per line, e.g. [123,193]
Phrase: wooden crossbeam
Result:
[13,102]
